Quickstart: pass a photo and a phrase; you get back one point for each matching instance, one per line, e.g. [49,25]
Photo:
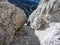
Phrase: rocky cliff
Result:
[46,20]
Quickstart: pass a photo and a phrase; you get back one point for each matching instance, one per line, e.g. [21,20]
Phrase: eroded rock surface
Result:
[48,12]
[11,18]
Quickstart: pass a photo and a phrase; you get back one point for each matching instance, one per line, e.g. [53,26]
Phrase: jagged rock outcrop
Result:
[46,8]
[49,36]
[46,20]
[11,18]
[37,11]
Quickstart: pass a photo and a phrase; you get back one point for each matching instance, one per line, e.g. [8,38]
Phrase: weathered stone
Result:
[11,18]
[48,13]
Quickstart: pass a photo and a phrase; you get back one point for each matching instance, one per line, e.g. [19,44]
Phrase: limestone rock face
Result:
[49,8]
[46,20]
[36,12]
[49,36]
[11,18]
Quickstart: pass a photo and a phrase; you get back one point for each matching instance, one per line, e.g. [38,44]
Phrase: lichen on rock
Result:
[11,18]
